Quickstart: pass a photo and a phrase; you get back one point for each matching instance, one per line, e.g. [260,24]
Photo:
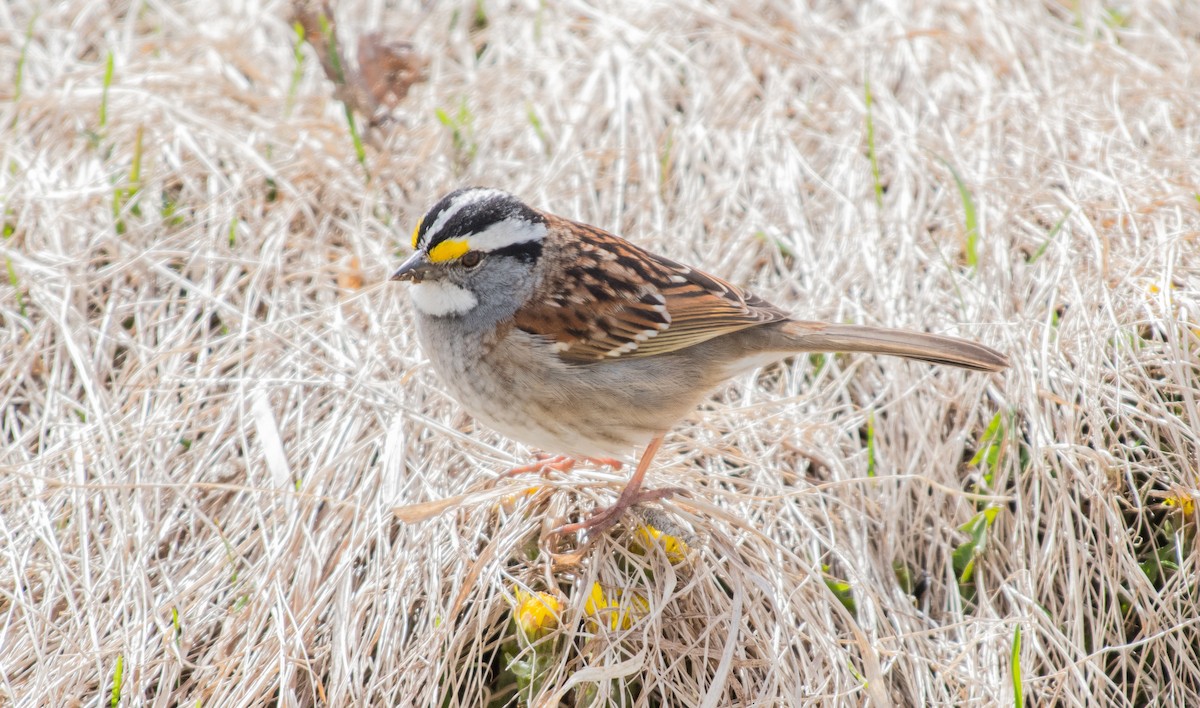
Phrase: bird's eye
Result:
[470,259]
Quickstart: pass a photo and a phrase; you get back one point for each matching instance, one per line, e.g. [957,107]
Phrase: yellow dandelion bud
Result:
[615,610]
[536,614]
[508,503]
[675,547]
[1185,503]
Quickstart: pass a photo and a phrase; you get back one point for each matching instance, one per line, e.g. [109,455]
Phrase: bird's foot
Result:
[544,464]
[606,518]
[615,464]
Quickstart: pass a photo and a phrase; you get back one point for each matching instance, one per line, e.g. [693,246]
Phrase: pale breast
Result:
[516,385]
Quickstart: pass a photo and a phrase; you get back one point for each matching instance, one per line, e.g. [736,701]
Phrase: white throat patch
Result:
[439,298]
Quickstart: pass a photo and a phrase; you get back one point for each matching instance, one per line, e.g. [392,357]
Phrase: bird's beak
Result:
[414,269]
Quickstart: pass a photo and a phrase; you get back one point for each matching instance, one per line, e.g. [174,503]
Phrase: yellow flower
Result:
[675,548]
[536,614]
[1185,503]
[617,610]
[509,502]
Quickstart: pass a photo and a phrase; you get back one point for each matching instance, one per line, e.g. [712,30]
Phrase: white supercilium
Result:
[506,233]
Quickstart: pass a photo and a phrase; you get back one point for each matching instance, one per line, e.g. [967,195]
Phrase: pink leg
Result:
[604,519]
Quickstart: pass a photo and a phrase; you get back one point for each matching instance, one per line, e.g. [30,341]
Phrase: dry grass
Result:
[212,400]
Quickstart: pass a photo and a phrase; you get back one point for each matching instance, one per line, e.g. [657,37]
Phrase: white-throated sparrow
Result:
[568,338]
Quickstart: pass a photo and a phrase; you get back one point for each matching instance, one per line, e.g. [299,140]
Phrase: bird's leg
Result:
[632,494]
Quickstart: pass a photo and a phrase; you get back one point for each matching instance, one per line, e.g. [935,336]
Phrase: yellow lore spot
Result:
[417,230]
[447,251]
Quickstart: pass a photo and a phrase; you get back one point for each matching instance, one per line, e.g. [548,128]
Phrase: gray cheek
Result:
[501,285]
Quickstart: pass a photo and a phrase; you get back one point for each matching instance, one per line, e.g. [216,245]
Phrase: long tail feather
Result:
[934,348]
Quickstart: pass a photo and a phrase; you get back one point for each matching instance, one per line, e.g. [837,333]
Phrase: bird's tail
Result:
[934,348]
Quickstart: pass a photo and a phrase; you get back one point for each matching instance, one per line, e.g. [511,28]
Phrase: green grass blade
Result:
[1049,237]
[871,149]
[335,59]
[115,696]
[15,282]
[359,151]
[19,78]
[871,444]
[970,216]
[297,67]
[108,77]
[1018,691]
[538,128]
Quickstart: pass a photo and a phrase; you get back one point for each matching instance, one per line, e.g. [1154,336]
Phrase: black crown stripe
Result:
[476,216]
[527,251]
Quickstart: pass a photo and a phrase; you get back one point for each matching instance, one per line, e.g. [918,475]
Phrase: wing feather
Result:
[610,299]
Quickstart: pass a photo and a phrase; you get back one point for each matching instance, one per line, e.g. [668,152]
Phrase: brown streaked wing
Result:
[610,299]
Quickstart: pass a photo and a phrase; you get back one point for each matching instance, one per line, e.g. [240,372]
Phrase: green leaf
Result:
[990,443]
[841,590]
[964,555]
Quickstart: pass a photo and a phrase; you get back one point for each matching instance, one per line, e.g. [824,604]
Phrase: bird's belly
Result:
[532,398]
